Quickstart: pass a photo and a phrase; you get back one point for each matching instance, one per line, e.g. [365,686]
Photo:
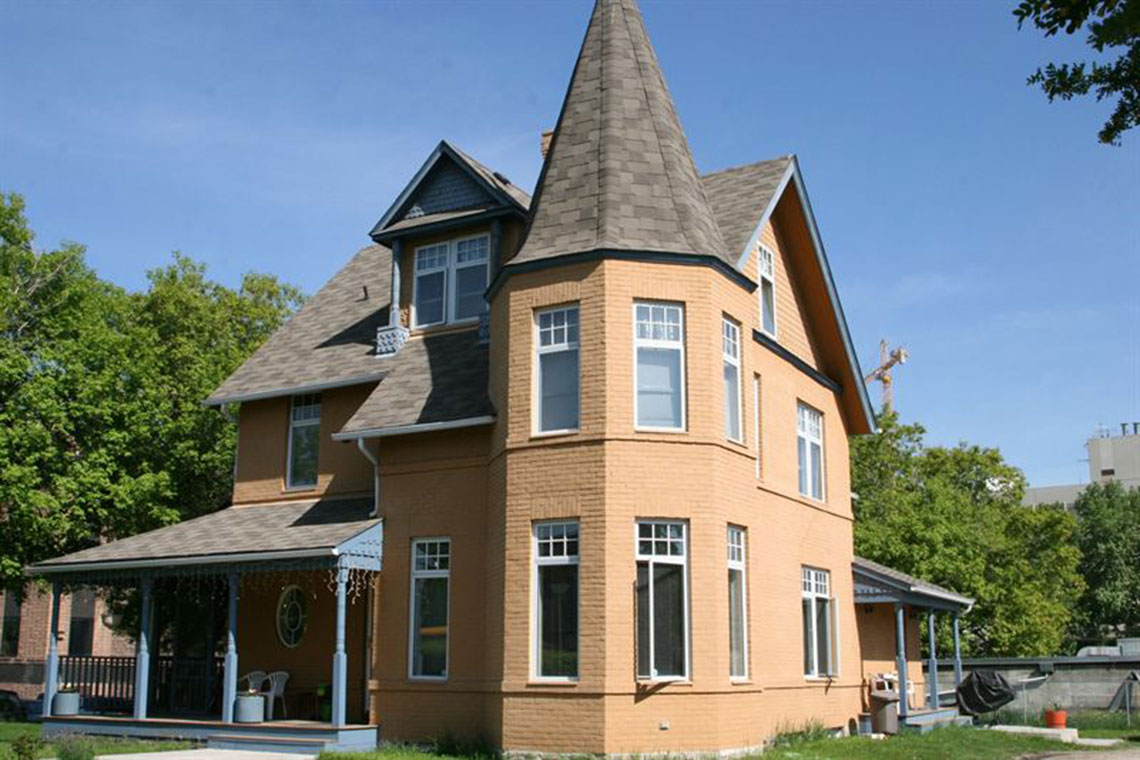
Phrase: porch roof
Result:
[879,583]
[315,531]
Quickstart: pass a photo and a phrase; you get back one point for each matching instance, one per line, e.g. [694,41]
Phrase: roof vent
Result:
[501,178]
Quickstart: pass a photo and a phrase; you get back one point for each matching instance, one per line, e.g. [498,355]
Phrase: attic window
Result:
[767,267]
[450,280]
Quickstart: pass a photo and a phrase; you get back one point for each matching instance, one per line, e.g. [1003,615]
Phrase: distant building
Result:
[1111,457]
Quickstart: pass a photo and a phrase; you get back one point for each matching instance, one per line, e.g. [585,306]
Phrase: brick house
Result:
[585,453]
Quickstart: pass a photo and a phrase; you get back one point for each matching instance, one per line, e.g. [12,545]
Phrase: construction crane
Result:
[887,360]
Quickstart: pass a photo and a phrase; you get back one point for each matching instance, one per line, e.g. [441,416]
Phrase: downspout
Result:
[375,475]
[368,597]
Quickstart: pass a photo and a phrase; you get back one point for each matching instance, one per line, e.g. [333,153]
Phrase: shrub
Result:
[26,746]
[75,748]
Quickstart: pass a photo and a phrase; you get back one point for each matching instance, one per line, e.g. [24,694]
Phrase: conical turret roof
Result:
[619,174]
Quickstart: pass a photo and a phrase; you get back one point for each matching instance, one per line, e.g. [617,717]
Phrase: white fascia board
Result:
[425,427]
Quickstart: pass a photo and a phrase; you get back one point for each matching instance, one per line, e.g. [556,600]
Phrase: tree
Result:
[102,432]
[1108,533]
[1115,24]
[953,516]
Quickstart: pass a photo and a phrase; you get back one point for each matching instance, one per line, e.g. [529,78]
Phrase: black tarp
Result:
[984,691]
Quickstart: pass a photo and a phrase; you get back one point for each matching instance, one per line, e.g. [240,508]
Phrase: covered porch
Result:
[283,594]
[890,605]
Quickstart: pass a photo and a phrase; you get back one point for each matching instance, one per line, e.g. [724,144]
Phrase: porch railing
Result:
[179,685]
[106,684]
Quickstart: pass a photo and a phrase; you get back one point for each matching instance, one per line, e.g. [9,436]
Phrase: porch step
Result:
[262,743]
[924,721]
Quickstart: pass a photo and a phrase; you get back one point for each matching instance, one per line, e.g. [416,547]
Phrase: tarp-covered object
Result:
[984,691]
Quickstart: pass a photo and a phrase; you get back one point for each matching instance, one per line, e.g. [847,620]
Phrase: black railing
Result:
[178,685]
[106,684]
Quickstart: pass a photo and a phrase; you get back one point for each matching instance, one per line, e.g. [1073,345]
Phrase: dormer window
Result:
[450,280]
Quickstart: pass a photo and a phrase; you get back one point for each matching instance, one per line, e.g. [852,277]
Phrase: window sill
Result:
[539,435]
[678,681]
[819,679]
[667,431]
[743,681]
[427,679]
[300,489]
[562,683]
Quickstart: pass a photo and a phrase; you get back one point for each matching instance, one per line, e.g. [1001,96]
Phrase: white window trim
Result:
[416,574]
[771,279]
[669,344]
[810,439]
[536,390]
[666,560]
[730,323]
[832,669]
[536,602]
[742,566]
[293,424]
[450,271]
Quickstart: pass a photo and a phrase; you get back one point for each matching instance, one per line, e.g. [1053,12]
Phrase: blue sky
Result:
[965,217]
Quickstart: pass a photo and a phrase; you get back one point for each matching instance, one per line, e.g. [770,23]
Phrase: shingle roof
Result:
[619,173]
[330,340]
[520,196]
[282,527]
[434,378]
[738,197]
[911,582]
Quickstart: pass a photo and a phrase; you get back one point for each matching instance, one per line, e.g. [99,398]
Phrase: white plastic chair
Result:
[277,680]
[254,680]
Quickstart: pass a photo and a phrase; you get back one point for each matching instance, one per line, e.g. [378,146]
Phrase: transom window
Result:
[556,392]
[431,586]
[304,440]
[659,340]
[730,338]
[662,600]
[737,604]
[556,600]
[450,280]
[818,606]
[767,267]
[809,445]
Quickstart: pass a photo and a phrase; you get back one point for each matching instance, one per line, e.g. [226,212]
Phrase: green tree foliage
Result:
[1108,534]
[953,516]
[102,432]
[1115,24]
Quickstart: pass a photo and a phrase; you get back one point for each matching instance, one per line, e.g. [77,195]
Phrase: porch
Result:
[282,580]
[880,589]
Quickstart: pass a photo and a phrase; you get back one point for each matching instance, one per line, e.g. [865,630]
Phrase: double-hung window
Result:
[556,600]
[662,600]
[431,582]
[557,370]
[737,603]
[819,623]
[659,341]
[10,630]
[730,338]
[450,280]
[304,440]
[767,267]
[809,448]
[81,631]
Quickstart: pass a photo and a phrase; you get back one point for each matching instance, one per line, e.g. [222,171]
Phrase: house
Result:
[568,473]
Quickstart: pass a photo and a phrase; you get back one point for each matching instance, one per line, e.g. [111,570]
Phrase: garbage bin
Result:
[885,711]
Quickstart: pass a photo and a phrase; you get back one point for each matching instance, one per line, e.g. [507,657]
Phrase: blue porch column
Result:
[229,686]
[900,657]
[933,665]
[51,670]
[340,659]
[142,651]
[957,653]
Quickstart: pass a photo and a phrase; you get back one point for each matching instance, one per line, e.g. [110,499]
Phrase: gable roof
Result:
[881,577]
[450,182]
[619,174]
[736,195]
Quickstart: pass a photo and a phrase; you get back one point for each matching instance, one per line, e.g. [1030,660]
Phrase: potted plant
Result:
[66,700]
[1055,717]
[249,707]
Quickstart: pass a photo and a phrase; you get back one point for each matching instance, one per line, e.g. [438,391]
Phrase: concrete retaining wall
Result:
[1076,683]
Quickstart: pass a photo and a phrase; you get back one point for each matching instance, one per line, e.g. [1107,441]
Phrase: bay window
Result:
[557,375]
[450,279]
[737,604]
[730,338]
[556,600]
[431,585]
[659,343]
[809,448]
[818,608]
[662,600]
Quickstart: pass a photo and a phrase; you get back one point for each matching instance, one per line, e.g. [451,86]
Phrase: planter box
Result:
[65,703]
[249,708]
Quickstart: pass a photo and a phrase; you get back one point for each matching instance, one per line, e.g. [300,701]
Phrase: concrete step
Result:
[1066,735]
[262,743]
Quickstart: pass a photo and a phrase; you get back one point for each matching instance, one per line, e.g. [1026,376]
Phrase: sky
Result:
[965,217]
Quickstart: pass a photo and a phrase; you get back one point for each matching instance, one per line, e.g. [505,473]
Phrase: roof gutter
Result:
[210,559]
[423,427]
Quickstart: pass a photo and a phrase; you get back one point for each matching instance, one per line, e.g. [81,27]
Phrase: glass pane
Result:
[470,282]
[643,623]
[10,637]
[658,388]
[736,622]
[429,643]
[801,450]
[808,620]
[816,471]
[303,462]
[429,298]
[823,636]
[731,401]
[558,620]
[669,619]
[559,391]
[768,306]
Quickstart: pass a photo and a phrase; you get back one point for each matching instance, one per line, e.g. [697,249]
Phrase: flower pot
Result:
[249,708]
[65,703]
[1055,718]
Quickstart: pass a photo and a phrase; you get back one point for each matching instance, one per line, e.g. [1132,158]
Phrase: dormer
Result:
[449,230]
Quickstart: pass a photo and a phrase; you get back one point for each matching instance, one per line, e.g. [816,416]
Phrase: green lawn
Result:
[103,745]
[1093,724]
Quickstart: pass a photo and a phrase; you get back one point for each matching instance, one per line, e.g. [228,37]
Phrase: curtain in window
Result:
[559,372]
[658,387]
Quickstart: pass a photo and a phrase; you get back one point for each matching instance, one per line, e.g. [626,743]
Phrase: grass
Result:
[104,745]
[1093,724]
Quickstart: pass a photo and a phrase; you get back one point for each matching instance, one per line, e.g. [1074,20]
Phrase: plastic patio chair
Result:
[277,680]
[255,680]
